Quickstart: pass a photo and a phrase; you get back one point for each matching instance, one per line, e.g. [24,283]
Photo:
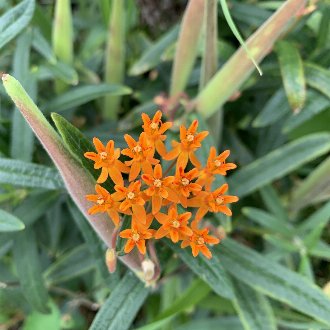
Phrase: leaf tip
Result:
[4,76]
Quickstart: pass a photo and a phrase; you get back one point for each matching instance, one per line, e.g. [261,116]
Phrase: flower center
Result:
[154,125]
[200,241]
[217,163]
[135,237]
[157,183]
[184,181]
[130,195]
[190,137]
[219,200]
[175,224]
[103,155]
[100,201]
[137,148]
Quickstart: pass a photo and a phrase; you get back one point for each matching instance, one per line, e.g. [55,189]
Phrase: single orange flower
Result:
[198,241]
[215,165]
[136,236]
[107,159]
[184,186]
[131,198]
[104,203]
[142,156]
[155,129]
[158,188]
[174,225]
[215,201]
[190,142]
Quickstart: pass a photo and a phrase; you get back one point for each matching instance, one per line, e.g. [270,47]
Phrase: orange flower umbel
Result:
[107,159]
[190,142]
[148,197]
[155,129]
[142,156]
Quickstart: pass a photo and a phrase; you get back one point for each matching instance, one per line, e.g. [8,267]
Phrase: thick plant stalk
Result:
[210,61]
[233,74]
[63,36]
[77,180]
[115,56]
[187,45]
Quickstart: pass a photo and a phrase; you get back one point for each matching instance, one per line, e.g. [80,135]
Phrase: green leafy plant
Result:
[78,70]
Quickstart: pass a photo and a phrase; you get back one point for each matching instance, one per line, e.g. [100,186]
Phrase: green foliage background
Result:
[99,65]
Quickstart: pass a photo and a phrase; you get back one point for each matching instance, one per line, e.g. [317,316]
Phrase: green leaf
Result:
[318,77]
[70,265]
[293,76]
[15,20]
[9,222]
[278,163]
[38,321]
[24,174]
[75,141]
[219,323]
[275,108]
[115,56]
[81,95]
[274,280]
[210,271]
[276,225]
[119,310]
[314,188]
[27,262]
[253,308]
[152,56]
[315,104]
[196,291]
[187,45]
[316,219]
[93,243]
[64,72]
[239,67]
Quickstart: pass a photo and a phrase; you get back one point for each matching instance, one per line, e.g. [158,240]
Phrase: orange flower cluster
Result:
[149,193]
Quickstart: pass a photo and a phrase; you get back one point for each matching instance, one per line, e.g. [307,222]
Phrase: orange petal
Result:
[182,159]
[148,179]
[225,210]
[141,245]
[193,158]
[135,170]
[122,167]
[165,127]
[103,176]
[185,243]
[160,147]
[98,145]
[125,233]
[130,141]
[172,153]
[161,232]
[207,253]
[139,212]
[174,236]
[114,215]
[200,213]
[230,199]
[162,218]
[91,155]
[158,173]
[129,246]
[194,250]
[156,203]
[116,176]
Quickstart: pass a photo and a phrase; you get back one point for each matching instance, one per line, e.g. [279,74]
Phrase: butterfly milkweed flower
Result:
[106,158]
[158,206]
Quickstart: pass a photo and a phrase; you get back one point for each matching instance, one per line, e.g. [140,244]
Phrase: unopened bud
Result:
[148,268]
[111,260]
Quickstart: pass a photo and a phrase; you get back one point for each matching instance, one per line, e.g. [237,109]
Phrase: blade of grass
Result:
[239,67]
[236,33]
[115,56]
[187,45]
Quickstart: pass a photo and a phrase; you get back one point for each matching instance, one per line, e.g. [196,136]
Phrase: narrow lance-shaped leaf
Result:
[314,188]
[278,163]
[253,308]
[119,310]
[274,280]
[239,67]
[15,20]
[292,72]
[9,222]
[187,45]
[78,180]
[318,77]
[115,55]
